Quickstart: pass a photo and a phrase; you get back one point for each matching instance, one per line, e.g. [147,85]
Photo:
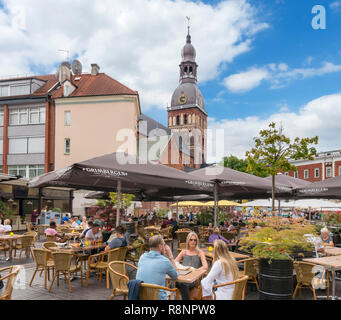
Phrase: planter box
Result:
[276,279]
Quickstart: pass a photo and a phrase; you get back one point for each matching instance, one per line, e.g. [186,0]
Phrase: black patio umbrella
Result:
[232,184]
[326,189]
[124,173]
[289,182]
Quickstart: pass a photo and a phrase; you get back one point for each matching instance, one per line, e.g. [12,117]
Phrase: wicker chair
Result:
[11,277]
[41,259]
[181,236]
[140,250]
[239,288]
[4,247]
[62,263]
[26,243]
[119,278]
[101,265]
[304,277]
[251,269]
[50,238]
[151,292]
[30,227]
[41,231]
[167,235]
[32,233]
[181,246]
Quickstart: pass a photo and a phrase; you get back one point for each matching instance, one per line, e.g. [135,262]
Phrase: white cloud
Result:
[278,75]
[138,42]
[246,81]
[320,117]
[335,5]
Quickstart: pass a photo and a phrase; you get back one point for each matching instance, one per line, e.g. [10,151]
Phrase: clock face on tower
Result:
[182,99]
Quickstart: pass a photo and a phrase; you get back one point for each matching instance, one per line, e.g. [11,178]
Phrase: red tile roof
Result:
[87,85]
[98,85]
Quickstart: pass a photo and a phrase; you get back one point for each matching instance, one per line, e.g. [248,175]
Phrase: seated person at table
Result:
[84,223]
[194,257]
[94,234]
[119,241]
[224,269]
[90,225]
[66,218]
[154,265]
[75,224]
[51,231]
[216,236]
[7,225]
[326,238]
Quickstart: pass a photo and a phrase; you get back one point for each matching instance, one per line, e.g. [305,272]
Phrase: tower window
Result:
[190,69]
[185,119]
[192,141]
[177,120]
[186,69]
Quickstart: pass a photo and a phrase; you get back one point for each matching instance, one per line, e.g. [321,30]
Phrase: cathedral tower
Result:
[187,111]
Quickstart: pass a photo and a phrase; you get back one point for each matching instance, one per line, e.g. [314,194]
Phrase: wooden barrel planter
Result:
[276,279]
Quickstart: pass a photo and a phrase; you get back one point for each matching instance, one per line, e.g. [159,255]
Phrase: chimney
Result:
[94,69]
[64,72]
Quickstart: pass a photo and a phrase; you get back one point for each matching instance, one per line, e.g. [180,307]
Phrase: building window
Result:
[19,90]
[0,169]
[24,116]
[67,146]
[17,171]
[329,172]
[286,173]
[67,118]
[1,118]
[296,174]
[185,119]
[36,145]
[17,146]
[177,120]
[35,170]
[339,170]
[4,91]
[1,146]
[306,174]
[317,172]
[27,171]
[26,145]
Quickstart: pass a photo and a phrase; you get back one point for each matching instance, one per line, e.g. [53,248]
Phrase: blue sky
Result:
[290,39]
[259,61]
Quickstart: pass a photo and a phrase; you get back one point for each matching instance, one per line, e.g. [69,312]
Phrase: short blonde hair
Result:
[7,222]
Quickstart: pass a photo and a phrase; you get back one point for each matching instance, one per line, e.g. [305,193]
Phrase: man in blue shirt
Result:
[154,265]
[66,218]
[119,241]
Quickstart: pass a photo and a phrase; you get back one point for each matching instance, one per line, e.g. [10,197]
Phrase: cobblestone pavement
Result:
[95,290]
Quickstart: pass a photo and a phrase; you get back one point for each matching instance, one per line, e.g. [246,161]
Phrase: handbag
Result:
[195,293]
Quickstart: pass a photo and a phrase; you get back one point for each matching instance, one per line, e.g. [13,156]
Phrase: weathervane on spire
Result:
[188,18]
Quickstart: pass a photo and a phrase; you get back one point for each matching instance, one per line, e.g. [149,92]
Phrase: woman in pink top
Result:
[51,231]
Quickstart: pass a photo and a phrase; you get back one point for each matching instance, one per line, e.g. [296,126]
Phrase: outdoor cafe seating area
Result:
[272,257]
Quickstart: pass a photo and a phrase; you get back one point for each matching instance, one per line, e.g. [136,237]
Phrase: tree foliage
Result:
[126,200]
[235,163]
[273,150]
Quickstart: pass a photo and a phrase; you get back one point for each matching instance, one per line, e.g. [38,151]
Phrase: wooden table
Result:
[190,277]
[73,249]
[70,235]
[332,251]
[236,255]
[10,239]
[333,262]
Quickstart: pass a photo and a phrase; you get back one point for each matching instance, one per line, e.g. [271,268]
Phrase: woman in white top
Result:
[75,224]
[7,225]
[224,270]
[84,223]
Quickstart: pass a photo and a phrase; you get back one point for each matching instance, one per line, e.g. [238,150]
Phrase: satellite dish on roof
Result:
[76,67]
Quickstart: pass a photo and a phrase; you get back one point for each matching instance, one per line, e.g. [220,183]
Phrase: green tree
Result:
[273,150]
[242,165]
[126,199]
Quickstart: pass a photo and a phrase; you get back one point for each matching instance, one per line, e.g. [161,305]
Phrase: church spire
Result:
[188,66]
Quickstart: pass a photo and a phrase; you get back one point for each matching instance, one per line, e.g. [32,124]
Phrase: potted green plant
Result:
[276,247]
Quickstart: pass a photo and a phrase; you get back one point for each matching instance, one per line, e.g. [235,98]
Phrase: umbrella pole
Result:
[215,204]
[177,210]
[119,186]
